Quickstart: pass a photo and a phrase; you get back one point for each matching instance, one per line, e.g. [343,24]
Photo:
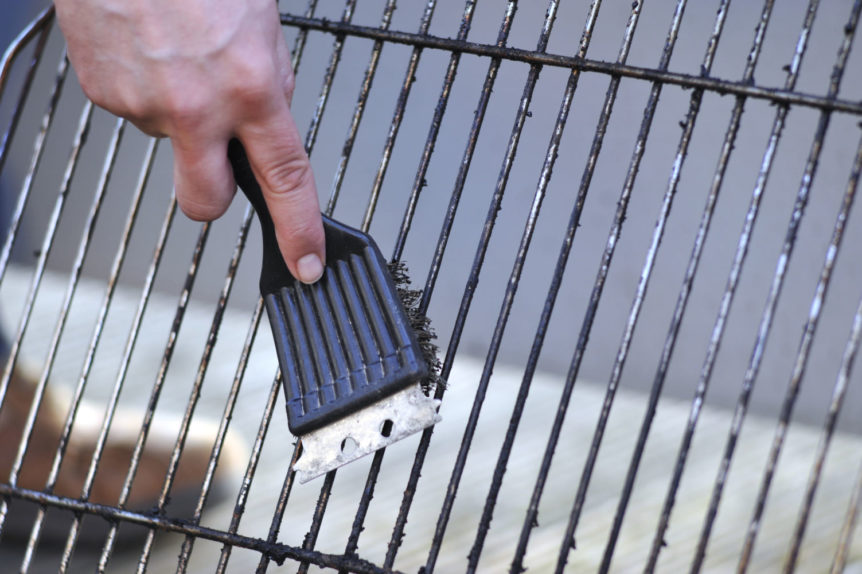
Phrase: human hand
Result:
[202,72]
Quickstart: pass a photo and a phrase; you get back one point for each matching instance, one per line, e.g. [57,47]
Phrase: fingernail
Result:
[309,268]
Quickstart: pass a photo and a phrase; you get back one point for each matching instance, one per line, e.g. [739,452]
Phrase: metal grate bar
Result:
[117,265]
[218,316]
[397,117]
[587,324]
[335,58]
[254,458]
[358,110]
[817,303]
[202,368]
[111,408]
[27,186]
[847,360]
[317,519]
[479,116]
[511,289]
[409,76]
[544,179]
[98,329]
[80,137]
[179,315]
[691,269]
[565,250]
[726,87]
[840,559]
[419,181]
[40,26]
[418,185]
[130,344]
[329,77]
[301,37]
[768,313]
[730,290]
[616,374]
[278,552]
[338,178]
[74,278]
[281,505]
[222,431]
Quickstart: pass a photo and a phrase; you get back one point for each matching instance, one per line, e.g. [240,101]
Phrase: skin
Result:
[201,72]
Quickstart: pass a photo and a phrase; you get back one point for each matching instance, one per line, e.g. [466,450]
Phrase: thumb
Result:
[283,170]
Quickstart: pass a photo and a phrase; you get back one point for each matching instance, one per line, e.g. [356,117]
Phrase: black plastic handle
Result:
[274,273]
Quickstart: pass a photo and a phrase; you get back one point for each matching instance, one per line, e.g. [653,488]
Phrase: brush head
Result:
[353,366]
[344,342]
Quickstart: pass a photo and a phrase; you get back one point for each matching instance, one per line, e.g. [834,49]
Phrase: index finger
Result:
[280,164]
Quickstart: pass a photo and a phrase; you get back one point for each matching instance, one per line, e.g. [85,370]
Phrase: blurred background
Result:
[827,191]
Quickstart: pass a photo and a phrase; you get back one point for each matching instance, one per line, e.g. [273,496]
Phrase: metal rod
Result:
[42,26]
[364,502]
[41,263]
[317,518]
[277,552]
[251,467]
[27,185]
[111,407]
[281,505]
[850,350]
[397,117]
[335,58]
[691,269]
[742,248]
[74,278]
[41,23]
[311,137]
[637,304]
[523,391]
[556,281]
[775,292]
[457,46]
[102,316]
[221,435]
[358,110]
[839,561]
[119,259]
[733,278]
[301,37]
[511,289]
[203,366]
[419,182]
[409,76]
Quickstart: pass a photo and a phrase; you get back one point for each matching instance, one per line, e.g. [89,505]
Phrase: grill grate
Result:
[638,473]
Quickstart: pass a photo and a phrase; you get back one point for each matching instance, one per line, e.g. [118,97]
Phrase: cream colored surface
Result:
[641,518]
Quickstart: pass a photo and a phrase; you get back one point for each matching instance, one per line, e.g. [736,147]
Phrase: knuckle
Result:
[288,176]
[184,111]
[254,84]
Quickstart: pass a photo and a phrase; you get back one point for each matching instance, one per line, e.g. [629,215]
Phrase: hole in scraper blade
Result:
[386,428]
[348,446]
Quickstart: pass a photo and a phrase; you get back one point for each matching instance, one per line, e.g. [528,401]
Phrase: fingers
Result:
[277,157]
[202,176]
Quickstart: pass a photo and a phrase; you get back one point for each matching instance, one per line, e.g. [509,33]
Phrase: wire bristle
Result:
[420,324]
